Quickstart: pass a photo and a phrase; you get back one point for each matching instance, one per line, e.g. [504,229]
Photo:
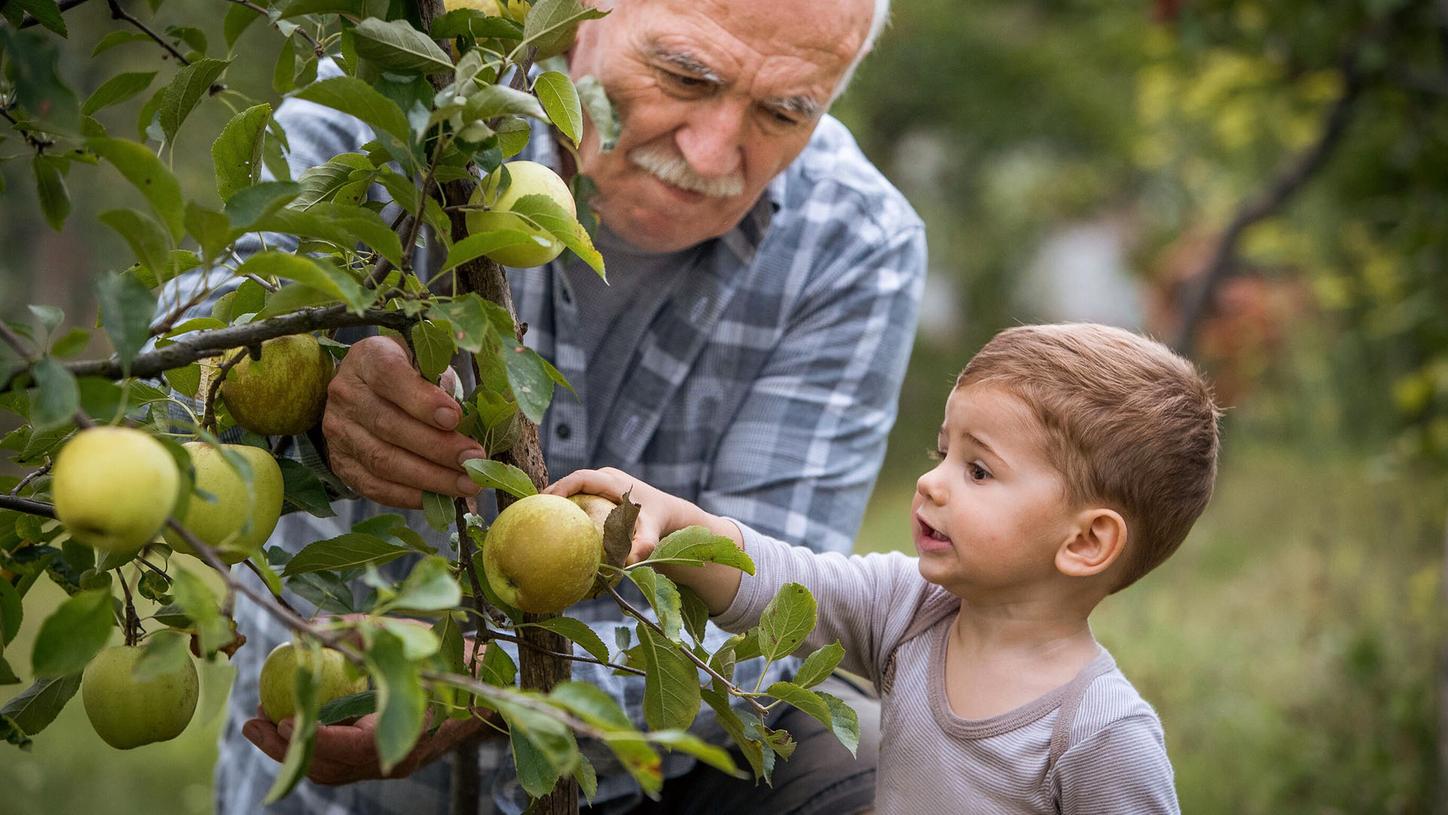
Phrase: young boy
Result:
[1073,460]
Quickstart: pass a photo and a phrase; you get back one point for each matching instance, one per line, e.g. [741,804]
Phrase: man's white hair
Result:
[880,17]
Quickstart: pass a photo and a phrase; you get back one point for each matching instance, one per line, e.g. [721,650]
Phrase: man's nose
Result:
[711,141]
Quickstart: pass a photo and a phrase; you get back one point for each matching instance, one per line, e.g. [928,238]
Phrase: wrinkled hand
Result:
[659,512]
[346,753]
[392,434]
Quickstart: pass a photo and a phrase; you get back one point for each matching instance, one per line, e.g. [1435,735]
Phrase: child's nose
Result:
[930,487]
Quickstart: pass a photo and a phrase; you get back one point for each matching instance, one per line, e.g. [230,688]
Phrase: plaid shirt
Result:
[763,389]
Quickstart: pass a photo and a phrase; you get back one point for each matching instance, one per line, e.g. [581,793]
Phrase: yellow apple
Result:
[126,712]
[114,487]
[526,178]
[277,683]
[239,520]
[542,554]
[284,392]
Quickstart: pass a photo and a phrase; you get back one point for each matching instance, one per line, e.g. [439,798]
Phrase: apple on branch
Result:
[227,515]
[114,487]
[542,554]
[278,681]
[285,391]
[525,178]
[127,712]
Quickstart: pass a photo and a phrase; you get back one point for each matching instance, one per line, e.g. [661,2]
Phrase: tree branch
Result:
[119,13]
[28,506]
[247,4]
[192,347]
[1286,183]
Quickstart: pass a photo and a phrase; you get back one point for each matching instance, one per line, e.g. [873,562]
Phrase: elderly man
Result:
[748,355]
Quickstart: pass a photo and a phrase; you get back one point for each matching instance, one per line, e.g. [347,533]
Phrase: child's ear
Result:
[1097,541]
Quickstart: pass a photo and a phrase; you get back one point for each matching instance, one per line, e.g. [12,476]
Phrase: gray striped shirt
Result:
[1090,747]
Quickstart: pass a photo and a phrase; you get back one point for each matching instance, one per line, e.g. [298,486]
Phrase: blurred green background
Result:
[1084,159]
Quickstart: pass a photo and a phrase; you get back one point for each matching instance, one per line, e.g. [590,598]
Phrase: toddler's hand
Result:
[659,512]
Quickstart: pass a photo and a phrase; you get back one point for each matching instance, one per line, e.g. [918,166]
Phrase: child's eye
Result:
[976,472]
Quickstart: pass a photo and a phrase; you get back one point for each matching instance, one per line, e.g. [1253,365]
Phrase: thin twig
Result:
[629,609]
[208,416]
[36,143]
[119,13]
[29,477]
[247,4]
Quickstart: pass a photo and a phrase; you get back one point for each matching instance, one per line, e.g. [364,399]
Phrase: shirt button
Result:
[567,296]
[563,431]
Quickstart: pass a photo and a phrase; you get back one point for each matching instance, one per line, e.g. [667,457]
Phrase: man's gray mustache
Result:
[671,167]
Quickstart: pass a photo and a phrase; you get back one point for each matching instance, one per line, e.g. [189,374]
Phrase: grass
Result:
[1289,647]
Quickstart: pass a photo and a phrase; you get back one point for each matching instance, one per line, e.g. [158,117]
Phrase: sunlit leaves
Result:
[400,699]
[560,100]
[671,688]
[493,474]
[786,621]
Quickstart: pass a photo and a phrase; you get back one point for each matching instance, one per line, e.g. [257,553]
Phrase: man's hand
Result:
[392,434]
[346,753]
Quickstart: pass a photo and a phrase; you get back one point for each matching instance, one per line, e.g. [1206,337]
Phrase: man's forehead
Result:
[819,37]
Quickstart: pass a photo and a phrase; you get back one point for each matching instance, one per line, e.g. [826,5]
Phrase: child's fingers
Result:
[611,484]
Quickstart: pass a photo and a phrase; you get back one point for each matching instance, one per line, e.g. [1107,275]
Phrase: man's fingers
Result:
[389,373]
[397,465]
[265,736]
[391,425]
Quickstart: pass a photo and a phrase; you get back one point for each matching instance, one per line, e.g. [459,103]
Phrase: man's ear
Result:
[1097,541]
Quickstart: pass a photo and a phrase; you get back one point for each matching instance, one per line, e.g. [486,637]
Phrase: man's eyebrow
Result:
[685,62]
[804,106]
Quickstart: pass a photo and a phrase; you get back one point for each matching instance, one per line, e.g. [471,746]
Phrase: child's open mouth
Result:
[928,538]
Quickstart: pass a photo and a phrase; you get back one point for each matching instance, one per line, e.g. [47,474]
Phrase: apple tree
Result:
[129,493]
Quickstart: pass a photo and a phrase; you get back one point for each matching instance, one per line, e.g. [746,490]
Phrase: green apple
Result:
[542,553]
[127,712]
[278,680]
[114,487]
[239,521]
[526,178]
[284,392]
[598,509]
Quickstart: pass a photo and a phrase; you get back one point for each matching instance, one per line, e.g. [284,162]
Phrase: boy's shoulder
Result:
[1109,701]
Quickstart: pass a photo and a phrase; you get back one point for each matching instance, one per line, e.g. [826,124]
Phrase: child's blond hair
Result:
[1128,423]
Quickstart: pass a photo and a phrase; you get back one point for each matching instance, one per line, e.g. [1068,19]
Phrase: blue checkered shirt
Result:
[763,388]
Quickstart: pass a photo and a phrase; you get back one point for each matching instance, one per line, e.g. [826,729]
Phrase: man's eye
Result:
[784,118]
[684,81]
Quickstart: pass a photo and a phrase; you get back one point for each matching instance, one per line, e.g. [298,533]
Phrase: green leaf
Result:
[117,89]
[844,721]
[30,68]
[115,38]
[592,704]
[185,92]
[498,668]
[73,634]
[357,98]
[491,474]
[12,611]
[491,101]
[396,45]
[696,545]
[671,688]
[552,24]
[57,397]
[50,189]
[149,242]
[211,229]
[543,747]
[304,724]
[341,224]
[351,706]
[303,490]
[695,613]
[686,742]
[663,595]
[248,206]
[347,551]
[806,700]
[312,272]
[236,153]
[560,100]
[587,777]
[786,621]
[600,112]
[477,24]
[297,8]
[543,211]
[38,705]
[192,595]
[430,586]
[418,643]
[484,243]
[578,632]
[401,701]
[45,12]
[330,180]
[439,510]
[528,378]
[640,759]
[126,309]
[141,167]
[434,348]
[238,19]
[819,665]
[473,319]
